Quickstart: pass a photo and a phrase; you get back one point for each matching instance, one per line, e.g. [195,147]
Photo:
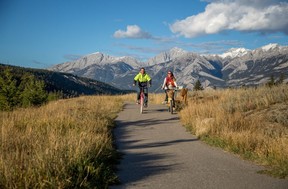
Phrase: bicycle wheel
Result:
[141,102]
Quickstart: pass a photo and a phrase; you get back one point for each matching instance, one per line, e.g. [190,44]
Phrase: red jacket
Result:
[170,81]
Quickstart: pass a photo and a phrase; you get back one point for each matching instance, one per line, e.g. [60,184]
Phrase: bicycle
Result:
[172,93]
[142,98]
[171,100]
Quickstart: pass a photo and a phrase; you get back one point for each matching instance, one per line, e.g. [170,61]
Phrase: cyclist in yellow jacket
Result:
[144,81]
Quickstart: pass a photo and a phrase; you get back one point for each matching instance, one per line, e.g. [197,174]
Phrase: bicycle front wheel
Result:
[141,104]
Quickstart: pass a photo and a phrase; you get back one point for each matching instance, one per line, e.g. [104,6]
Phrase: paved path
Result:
[160,154]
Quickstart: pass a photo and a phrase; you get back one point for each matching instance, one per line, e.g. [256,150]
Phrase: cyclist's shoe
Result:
[145,105]
[165,102]
[137,102]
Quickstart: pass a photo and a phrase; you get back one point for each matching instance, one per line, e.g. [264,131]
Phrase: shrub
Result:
[24,92]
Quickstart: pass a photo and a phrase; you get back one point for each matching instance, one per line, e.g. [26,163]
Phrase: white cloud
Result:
[220,15]
[133,31]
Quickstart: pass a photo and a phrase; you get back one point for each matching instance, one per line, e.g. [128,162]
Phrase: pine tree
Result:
[197,86]
[33,91]
[9,92]
[271,82]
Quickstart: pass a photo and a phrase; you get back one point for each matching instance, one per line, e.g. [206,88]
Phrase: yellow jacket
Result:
[142,79]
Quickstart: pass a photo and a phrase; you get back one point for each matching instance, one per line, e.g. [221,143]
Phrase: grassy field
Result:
[69,144]
[65,144]
[250,122]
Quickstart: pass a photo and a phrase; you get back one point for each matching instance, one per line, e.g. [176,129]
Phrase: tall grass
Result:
[251,122]
[64,144]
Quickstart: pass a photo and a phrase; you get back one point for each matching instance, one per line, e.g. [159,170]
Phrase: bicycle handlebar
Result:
[174,88]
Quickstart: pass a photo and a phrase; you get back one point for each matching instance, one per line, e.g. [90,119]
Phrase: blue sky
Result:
[42,33]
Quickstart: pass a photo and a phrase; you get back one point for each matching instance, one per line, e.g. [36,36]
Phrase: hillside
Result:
[69,84]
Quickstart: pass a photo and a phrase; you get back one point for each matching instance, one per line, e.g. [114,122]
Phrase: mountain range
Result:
[67,84]
[236,67]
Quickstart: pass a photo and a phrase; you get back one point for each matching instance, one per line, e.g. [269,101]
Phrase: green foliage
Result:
[63,84]
[198,86]
[55,95]
[24,92]
[32,91]
[9,93]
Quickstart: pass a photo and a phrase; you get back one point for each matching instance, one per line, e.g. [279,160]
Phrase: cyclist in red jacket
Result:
[169,83]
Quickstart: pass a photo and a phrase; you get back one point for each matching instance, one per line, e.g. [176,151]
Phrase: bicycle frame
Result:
[171,99]
[142,98]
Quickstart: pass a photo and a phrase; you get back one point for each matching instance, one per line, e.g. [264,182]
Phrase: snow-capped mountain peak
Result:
[177,50]
[166,56]
[236,67]
[234,52]
[270,46]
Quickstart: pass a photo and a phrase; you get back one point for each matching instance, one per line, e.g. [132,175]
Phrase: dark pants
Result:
[145,90]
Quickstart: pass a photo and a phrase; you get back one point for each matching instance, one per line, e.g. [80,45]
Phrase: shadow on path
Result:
[147,122]
[141,157]
[159,153]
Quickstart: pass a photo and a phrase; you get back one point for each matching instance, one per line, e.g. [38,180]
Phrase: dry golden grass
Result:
[65,144]
[251,122]
[68,143]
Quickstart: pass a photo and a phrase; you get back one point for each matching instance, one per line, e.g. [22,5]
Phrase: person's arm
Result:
[164,83]
[148,78]
[135,79]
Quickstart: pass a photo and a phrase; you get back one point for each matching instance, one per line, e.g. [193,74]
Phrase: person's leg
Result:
[146,98]
[166,96]
[138,97]
[173,98]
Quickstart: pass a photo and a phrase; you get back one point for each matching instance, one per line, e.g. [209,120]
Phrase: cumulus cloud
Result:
[132,31]
[242,15]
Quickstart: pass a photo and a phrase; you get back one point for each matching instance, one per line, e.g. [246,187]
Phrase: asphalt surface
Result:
[158,153]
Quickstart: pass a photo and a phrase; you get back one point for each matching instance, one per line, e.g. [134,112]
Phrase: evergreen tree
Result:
[197,86]
[271,82]
[9,92]
[55,95]
[33,91]
[29,92]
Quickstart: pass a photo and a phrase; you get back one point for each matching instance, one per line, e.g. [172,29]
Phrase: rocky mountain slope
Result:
[236,67]
[68,84]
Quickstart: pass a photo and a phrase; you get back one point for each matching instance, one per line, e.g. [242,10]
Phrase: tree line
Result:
[272,82]
[22,92]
